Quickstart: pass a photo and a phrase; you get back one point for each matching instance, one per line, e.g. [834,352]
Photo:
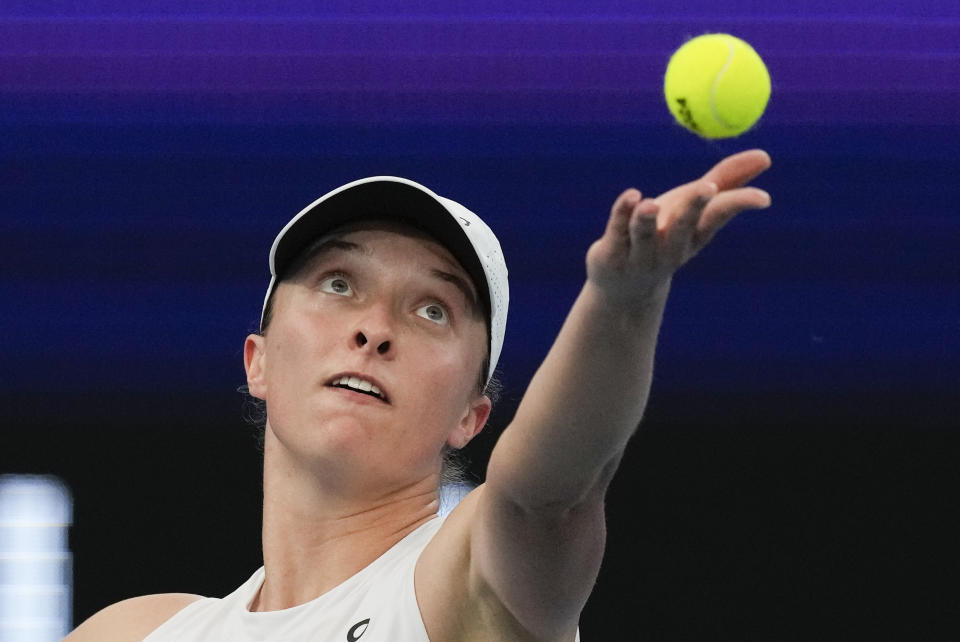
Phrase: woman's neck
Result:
[315,538]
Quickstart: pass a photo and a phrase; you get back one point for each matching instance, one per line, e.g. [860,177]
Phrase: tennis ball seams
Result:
[714,111]
[716,85]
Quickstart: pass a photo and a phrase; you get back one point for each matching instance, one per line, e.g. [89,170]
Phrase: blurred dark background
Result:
[795,474]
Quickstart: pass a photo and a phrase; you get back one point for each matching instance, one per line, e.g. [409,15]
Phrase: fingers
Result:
[739,169]
[684,203]
[729,175]
[643,221]
[632,220]
[726,205]
[687,217]
[682,227]
[618,225]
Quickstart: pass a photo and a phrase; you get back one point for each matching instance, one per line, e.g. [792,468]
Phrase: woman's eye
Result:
[336,285]
[434,312]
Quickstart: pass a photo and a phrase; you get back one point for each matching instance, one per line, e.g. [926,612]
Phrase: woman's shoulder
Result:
[132,619]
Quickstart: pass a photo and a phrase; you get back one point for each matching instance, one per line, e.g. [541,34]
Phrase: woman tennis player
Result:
[381,328]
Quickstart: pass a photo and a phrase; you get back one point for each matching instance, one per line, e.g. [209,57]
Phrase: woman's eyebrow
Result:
[320,248]
[465,289]
[326,245]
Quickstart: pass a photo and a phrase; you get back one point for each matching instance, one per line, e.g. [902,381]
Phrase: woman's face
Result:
[380,308]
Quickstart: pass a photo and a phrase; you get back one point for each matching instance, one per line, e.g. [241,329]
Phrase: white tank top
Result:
[378,604]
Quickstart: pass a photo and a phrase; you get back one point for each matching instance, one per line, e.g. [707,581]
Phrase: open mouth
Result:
[359,384]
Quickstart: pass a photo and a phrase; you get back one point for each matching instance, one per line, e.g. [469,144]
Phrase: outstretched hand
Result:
[648,239]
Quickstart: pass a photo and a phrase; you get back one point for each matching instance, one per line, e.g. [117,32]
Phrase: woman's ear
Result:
[473,421]
[254,360]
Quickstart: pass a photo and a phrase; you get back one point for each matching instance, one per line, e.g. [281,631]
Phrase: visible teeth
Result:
[358,384]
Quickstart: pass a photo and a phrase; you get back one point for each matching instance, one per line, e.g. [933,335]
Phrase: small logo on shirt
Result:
[357,630]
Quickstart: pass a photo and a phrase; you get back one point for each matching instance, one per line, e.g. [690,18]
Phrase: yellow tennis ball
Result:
[716,85]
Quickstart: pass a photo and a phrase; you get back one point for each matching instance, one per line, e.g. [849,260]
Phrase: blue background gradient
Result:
[149,152]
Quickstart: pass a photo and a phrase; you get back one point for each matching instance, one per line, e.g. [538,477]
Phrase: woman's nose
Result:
[374,329]
[382,344]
